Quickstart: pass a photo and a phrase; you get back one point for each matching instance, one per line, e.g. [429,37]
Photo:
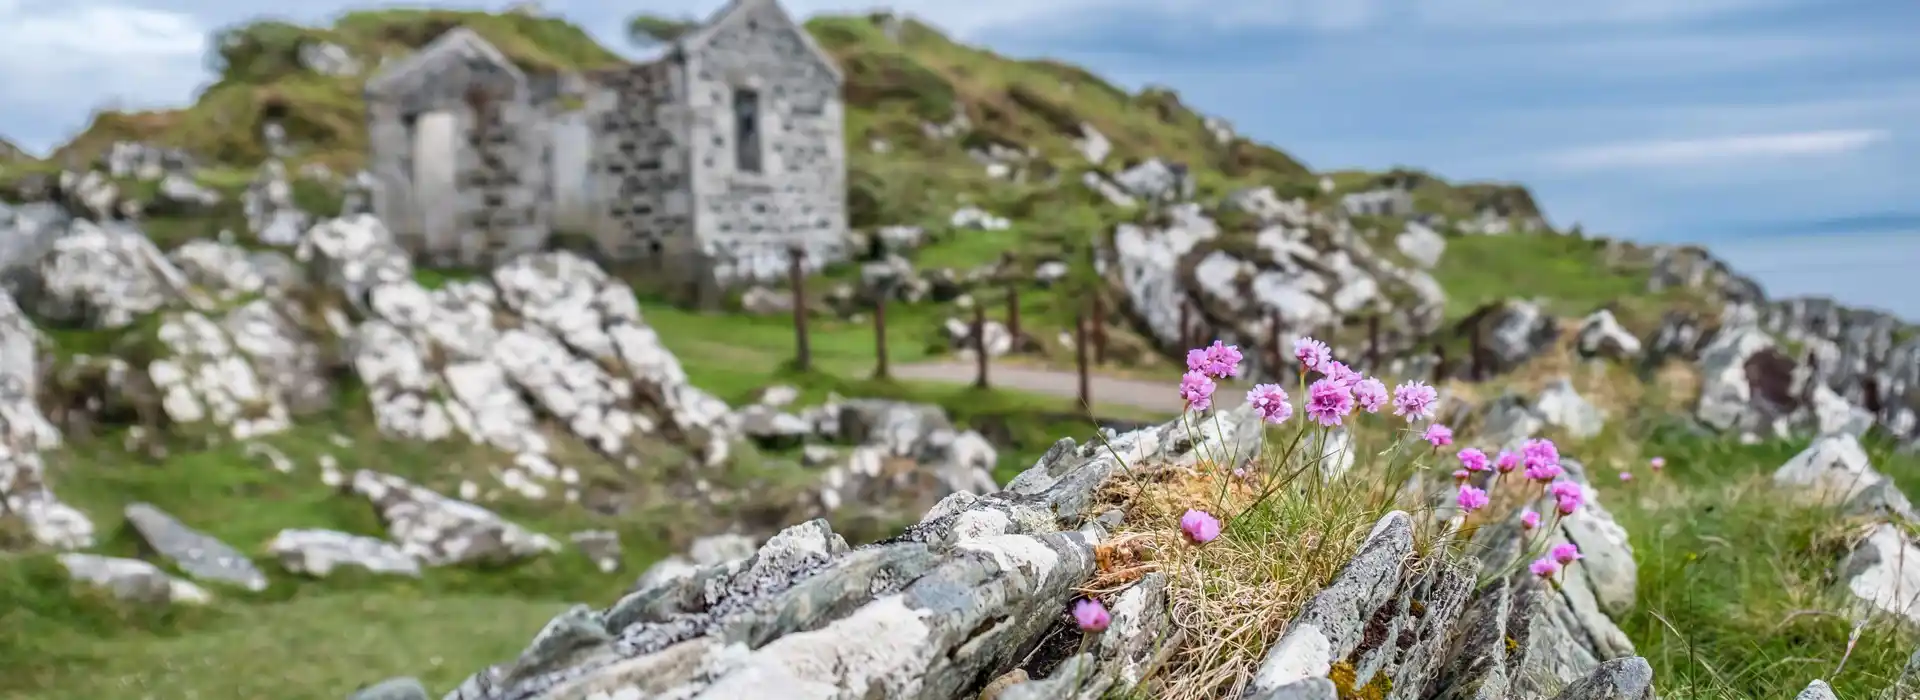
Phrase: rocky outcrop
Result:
[132,580]
[193,551]
[548,336]
[440,531]
[923,615]
[958,599]
[318,553]
[25,433]
[1309,271]
[903,453]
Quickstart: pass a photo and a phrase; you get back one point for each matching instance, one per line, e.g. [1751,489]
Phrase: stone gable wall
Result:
[745,222]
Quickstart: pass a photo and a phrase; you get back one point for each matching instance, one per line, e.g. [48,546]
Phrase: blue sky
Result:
[1782,133]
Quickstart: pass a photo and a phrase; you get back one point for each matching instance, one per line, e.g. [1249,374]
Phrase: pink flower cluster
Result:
[1541,459]
[1567,496]
[1329,400]
[1560,557]
[1217,361]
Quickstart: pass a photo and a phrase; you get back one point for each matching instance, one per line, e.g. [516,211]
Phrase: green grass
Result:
[1567,272]
[1736,591]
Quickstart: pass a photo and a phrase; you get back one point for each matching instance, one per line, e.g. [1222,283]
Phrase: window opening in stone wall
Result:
[746,130]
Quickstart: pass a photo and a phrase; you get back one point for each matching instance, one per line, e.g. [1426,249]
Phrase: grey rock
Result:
[1817,690]
[1562,406]
[1307,689]
[1617,679]
[403,688]
[132,580]
[1601,335]
[195,552]
[319,552]
[441,531]
[927,614]
[1331,624]
[1835,471]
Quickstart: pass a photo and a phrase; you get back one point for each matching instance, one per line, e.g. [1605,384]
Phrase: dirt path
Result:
[1152,396]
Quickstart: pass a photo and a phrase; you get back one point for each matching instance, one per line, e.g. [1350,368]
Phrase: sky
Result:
[1783,134]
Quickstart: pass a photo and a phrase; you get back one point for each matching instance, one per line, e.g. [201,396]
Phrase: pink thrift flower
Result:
[1200,526]
[1567,496]
[1415,401]
[1461,475]
[1311,353]
[1197,389]
[1218,360]
[1626,476]
[1544,567]
[1539,452]
[1543,472]
[1091,616]
[1529,519]
[1328,402]
[1657,463]
[1506,462]
[1371,394]
[1439,435]
[1197,360]
[1566,554]
[1471,499]
[1270,401]
[1339,372]
[1473,459]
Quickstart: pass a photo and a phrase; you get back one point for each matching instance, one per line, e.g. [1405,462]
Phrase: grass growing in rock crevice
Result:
[1288,520]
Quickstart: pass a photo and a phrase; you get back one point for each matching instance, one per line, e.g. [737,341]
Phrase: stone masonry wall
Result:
[498,168]
[640,177]
[746,221]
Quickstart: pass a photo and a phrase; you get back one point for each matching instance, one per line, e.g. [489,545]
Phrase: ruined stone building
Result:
[707,159]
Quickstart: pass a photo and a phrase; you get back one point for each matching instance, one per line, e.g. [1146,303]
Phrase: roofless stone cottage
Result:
[705,161]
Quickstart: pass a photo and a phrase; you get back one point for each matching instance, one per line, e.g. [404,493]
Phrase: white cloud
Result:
[60,59]
[1715,151]
[1531,13]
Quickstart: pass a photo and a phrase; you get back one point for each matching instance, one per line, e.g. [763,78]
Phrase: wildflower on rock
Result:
[1200,526]
[1414,400]
[1626,476]
[1460,475]
[1566,554]
[1218,360]
[1567,496]
[1471,499]
[1091,616]
[1371,394]
[1506,462]
[1438,435]
[1197,389]
[1473,460]
[1544,567]
[1328,402]
[1543,473]
[1657,463]
[1311,353]
[1270,401]
[1529,519]
[1539,451]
